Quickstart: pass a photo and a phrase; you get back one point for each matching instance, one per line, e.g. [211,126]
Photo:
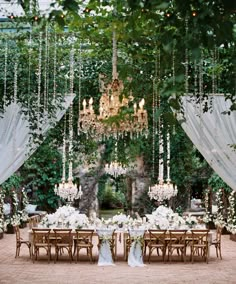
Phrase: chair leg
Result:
[149,255]
[220,251]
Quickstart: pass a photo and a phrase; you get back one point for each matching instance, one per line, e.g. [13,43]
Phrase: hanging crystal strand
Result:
[195,78]
[15,102]
[15,81]
[201,75]
[186,61]
[5,76]
[153,130]
[45,94]
[217,56]
[213,71]
[29,72]
[114,57]
[64,153]
[201,93]
[168,156]
[79,97]
[39,80]
[55,68]
[154,109]
[72,70]
[160,154]
[70,176]
[161,161]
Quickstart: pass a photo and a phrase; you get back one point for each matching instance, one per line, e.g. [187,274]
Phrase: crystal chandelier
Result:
[115,168]
[111,103]
[162,190]
[67,190]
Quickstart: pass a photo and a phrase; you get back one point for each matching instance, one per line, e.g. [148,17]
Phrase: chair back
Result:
[17,232]
[158,236]
[218,233]
[84,236]
[63,236]
[177,237]
[33,221]
[200,237]
[41,236]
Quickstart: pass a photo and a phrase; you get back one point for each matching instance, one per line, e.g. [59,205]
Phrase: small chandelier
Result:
[115,168]
[162,190]
[68,190]
[111,103]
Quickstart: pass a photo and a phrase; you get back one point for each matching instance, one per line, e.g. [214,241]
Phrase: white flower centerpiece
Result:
[65,216]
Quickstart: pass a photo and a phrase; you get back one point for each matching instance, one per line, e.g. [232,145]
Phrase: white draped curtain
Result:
[213,133]
[15,144]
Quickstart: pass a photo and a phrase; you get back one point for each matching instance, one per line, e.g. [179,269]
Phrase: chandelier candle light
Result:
[110,106]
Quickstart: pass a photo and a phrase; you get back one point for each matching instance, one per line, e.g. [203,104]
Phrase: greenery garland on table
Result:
[137,240]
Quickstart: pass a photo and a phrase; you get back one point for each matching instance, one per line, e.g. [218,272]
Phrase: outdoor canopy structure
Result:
[213,133]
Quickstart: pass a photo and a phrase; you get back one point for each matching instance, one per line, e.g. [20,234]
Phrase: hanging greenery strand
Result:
[80,74]
[39,79]
[70,177]
[46,70]
[55,67]
[64,153]
[29,71]
[5,76]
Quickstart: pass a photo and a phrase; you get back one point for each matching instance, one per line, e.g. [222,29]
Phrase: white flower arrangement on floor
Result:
[219,219]
[2,222]
[231,221]
[207,217]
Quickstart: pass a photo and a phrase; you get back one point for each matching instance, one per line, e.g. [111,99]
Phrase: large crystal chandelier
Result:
[111,103]
[115,168]
[162,190]
[67,190]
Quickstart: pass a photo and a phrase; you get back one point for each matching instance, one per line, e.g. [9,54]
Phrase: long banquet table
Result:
[121,235]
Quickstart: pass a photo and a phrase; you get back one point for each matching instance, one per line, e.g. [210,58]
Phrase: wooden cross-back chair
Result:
[63,240]
[217,241]
[20,242]
[157,240]
[200,244]
[177,242]
[41,241]
[83,240]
